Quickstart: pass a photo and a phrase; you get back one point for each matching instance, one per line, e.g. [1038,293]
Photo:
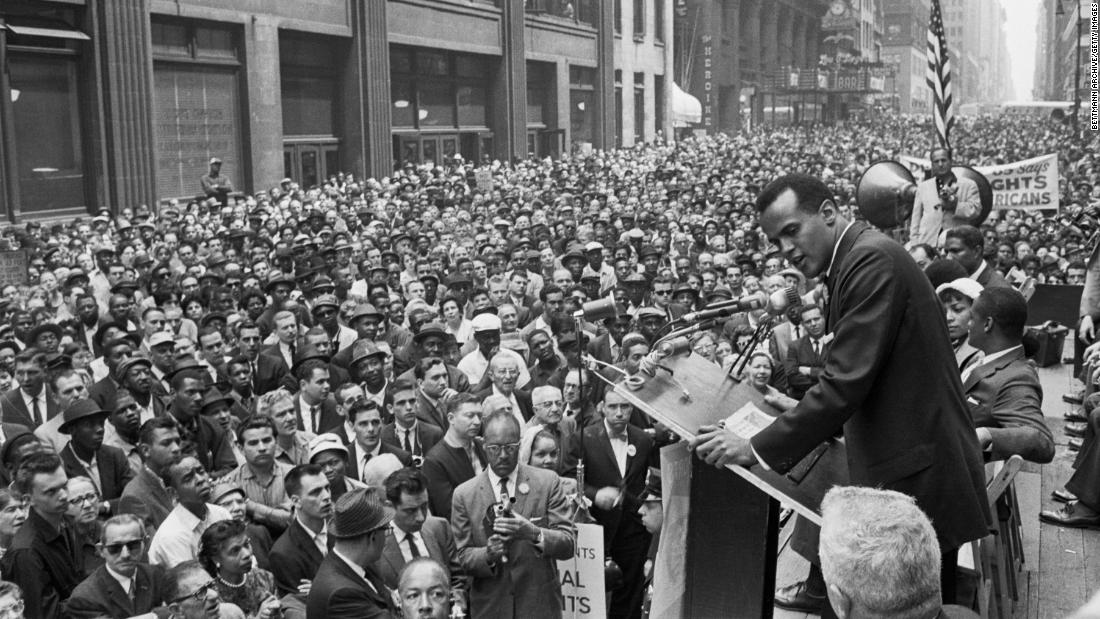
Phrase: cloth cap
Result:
[965,286]
[485,322]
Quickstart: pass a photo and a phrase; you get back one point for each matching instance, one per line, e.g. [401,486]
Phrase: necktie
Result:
[408,443]
[313,417]
[37,412]
[412,545]
[817,347]
[130,590]
[504,491]
[255,376]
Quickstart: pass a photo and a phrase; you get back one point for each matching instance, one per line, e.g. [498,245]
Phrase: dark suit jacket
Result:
[600,348]
[528,586]
[437,536]
[891,383]
[800,353]
[427,412]
[114,470]
[152,493]
[100,595]
[271,372]
[14,410]
[601,470]
[445,468]
[523,398]
[427,435]
[104,392]
[294,557]
[44,562]
[339,593]
[1005,396]
[352,469]
[330,421]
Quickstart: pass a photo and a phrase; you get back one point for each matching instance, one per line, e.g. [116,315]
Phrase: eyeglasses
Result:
[199,594]
[510,449]
[662,293]
[134,546]
[86,498]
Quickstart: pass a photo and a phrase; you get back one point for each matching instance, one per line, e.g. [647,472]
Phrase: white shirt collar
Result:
[494,481]
[836,248]
[123,581]
[355,567]
[981,269]
[1001,354]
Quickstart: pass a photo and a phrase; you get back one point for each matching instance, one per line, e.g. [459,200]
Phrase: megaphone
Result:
[985,190]
[600,309]
[885,193]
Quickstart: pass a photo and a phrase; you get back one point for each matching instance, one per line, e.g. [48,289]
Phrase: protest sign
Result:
[13,267]
[1026,185]
[582,577]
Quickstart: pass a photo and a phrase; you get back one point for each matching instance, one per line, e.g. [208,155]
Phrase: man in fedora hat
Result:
[86,456]
[512,560]
[346,584]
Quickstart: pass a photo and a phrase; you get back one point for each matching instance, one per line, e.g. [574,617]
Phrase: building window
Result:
[196,93]
[659,20]
[582,104]
[618,16]
[541,94]
[431,89]
[658,103]
[639,18]
[309,85]
[618,107]
[639,108]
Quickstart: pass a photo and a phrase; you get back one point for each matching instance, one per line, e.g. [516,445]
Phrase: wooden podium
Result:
[733,514]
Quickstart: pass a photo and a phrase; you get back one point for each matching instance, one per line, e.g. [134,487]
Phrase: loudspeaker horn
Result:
[600,309]
[985,190]
[884,194]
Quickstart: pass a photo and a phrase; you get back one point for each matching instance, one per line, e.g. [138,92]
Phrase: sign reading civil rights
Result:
[1026,185]
[13,267]
[582,577]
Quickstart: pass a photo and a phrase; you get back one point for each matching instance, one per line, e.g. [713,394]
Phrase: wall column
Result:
[127,73]
[265,103]
[368,144]
[604,134]
[509,121]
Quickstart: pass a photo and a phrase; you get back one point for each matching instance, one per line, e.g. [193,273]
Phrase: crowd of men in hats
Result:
[347,399]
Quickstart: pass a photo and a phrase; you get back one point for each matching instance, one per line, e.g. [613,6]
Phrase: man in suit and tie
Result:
[904,430]
[286,337]
[617,457]
[366,420]
[314,406]
[806,356]
[299,551]
[160,447]
[504,376]
[268,371]
[942,202]
[433,392]
[414,533]
[346,585]
[86,456]
[1003,392]
[608,346]
[407,431]
[27,404]
[124,586]
[457,457]
[512,526]
[114,353]
[965,245]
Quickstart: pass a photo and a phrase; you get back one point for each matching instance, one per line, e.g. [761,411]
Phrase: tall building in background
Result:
[904,52]
[1046,52]
[976,39]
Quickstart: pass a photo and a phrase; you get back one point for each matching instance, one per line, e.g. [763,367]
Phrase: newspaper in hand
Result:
[747,421]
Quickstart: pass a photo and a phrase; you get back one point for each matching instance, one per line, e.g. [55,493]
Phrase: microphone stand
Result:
[763,331]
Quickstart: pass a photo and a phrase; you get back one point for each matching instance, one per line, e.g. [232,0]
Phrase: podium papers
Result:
[713,398]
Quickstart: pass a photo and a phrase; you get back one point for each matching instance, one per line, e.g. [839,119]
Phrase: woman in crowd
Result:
[12,516]
[455,320]
[957,298]
[542,450]
[84,505]
[225,550]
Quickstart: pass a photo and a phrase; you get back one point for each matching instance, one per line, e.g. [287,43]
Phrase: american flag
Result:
[939,76]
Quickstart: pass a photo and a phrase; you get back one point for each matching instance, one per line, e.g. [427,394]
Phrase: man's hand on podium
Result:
[718,447]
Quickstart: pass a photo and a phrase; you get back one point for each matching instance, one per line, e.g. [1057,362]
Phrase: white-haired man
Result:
[880,557]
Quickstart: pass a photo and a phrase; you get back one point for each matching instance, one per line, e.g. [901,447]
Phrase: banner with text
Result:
[1026,185]
[582,577]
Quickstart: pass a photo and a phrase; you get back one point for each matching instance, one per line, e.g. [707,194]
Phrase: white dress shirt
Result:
[177,539]
[516,411]
[320,539]
[355,567]
[30,400]
[403,542]
[619,445]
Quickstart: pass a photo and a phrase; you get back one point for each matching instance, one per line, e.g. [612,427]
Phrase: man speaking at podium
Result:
[889,381]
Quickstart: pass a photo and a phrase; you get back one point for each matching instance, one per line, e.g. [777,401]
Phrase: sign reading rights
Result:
[1030,184]
[582,578]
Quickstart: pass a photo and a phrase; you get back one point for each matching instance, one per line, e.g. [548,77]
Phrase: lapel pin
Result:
[524,488]
[631,450]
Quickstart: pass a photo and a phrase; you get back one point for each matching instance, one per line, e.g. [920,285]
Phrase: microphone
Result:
[775,303]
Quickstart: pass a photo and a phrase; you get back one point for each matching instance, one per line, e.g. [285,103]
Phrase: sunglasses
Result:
[134,546]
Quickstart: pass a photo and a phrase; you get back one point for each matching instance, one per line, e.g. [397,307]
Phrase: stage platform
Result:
[1062,569]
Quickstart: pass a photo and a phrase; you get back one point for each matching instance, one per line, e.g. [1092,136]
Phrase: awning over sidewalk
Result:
[686,109]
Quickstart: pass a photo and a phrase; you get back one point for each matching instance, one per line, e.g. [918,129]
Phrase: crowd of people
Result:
[375,396]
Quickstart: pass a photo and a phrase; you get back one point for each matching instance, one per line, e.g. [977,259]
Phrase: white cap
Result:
[593,245]
[964,285]
[326,442]
[485,322]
